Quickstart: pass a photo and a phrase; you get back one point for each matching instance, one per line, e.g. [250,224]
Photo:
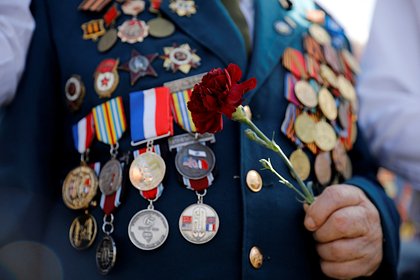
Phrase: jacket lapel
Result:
[268,44]
[212,27]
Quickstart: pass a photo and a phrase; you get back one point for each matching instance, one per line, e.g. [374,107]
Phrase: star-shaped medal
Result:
[183,7]
[139,66]
[181,58]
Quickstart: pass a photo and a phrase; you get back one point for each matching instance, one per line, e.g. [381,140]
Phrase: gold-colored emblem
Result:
[306,94]
[305,128]
[147,171]
[83,232]
[93,29]
[327,104]
[301,163]
[325,137]
[328,75]
[79,187]
[183,7]
[346,88]
[254,181]
[319,34]
[256,257]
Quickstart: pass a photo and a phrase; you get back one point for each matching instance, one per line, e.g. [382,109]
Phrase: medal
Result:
[109,39]
[83,232]
[331,57]
[283,28]
[139,66]
[301,164]
[319,34]
[327,104]
[75,92]
[323,171]
[312,47]
[294,61]
[158,26]
[183,7]
[195,161]
[315,16]
[148,229]
[93,29]
[329,77]
[110,178]
[199,223]
[306,94]
[350,61]
[106,254]
[133,30]
[106,77]
[325,137]
[147,171]
[181,58]
[346,88]
[305,128]
[79,187]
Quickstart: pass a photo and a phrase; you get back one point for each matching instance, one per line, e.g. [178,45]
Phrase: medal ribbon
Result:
[289,89]
[83,133]
[180,110]
[150,115]
[110,122]
[156,192]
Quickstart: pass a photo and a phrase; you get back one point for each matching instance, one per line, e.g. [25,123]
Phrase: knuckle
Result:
[340,222]
[334,194]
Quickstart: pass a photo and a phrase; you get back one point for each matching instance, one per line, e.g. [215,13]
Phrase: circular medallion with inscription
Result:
[110,177]
[325,137]
[195,161]
[327,104]
[79,187]
[323,168]
[199,223]
[301,164]
[148,229]
[306,94]
[83,231]
[106,254]
[305,128]
[147,171]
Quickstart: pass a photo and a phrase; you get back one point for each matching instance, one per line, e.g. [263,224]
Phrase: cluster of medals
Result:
[322,111]
[152,113]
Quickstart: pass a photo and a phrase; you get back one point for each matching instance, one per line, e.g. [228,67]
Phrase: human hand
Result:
[347,228]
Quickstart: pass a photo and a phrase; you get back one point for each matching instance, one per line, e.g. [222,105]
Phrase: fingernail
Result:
[310,224]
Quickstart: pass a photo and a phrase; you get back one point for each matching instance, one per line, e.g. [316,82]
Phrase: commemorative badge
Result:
[106,77]
[158,26]
[181,58]
[133,30]
[108,40]
[183,7]
[93,29]
[139,66]
[75,92]
[83,231]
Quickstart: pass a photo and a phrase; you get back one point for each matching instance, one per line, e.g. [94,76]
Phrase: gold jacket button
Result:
[254,181]
[256,257]
[248,112]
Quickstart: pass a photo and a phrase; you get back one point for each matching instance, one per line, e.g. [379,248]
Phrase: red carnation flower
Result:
[218,93]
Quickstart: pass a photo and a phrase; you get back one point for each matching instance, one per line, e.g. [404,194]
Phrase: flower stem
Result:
[271,144]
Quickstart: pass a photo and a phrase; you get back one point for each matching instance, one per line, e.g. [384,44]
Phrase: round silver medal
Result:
[148,229]
[199,223]
[195,161]
[106,254]
[110,177]
[147,171]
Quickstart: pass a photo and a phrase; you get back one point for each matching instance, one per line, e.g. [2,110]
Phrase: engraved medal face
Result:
[327,104]
[306,94]
[346,88]
[319,34]
[83,232]
[148,229]
[160,27]
[323,168]
[301,163]
[133,31]
[108,40]
[325,137]
[79,187]
[195,161]
[106,254]
[110,177]
[147,171]
[305,128]
[199,223]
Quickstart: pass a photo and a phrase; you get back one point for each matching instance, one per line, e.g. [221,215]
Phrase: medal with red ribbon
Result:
[80,186]
[195,162]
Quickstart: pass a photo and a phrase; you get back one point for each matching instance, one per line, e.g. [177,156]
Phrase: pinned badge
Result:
[139,66]
[181,58]
[75,92]
[109,39]
[93,29]
[133,30]
[106,77]
[183,7]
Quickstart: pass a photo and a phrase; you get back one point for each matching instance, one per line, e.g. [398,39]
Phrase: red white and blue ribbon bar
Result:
[83,133]
[110,122]
[150,115]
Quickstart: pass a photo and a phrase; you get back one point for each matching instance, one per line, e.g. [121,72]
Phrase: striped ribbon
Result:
[180,110]
[83,133]
[289,89]
[110,122]
[150,115]
[156,192]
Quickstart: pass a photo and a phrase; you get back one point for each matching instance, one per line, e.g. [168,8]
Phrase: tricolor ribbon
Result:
[150,115]
[180,110]
[110,122]
[156,192]
[83,133]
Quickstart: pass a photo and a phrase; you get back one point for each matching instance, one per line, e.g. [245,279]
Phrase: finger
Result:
[331,199]
[350,269]
[347,222]
[343,250]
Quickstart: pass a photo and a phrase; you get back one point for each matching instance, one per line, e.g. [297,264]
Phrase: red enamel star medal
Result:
[139,66]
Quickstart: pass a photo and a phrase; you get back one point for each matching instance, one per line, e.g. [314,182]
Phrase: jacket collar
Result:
[212,27]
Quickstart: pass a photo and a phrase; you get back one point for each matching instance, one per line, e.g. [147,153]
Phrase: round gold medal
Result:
[305,128]
[301,163]
[319,34]
[346,88]
[328,75]
[327,104]
[147,171]
[79,187]
[351,61]
[83,232]
[325,137]
[323,168]
[306,94]
[160,27]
